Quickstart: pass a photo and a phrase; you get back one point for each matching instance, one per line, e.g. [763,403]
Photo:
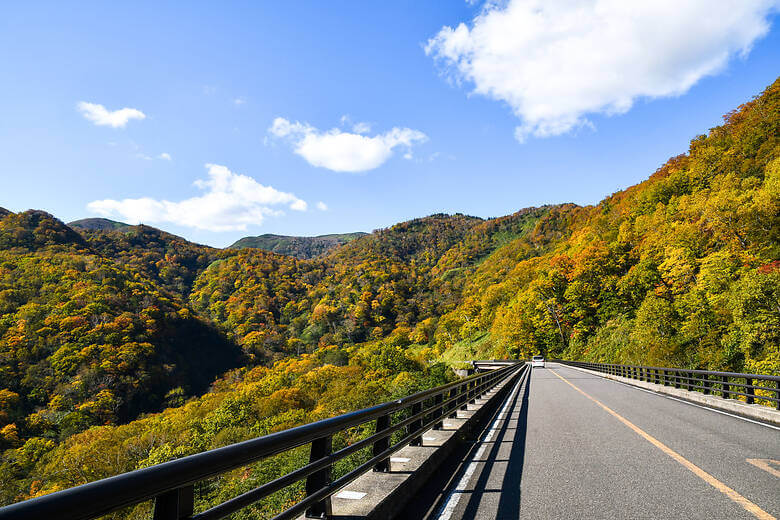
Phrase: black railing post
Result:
[320,448]
[724,387]
[382,423]
[749,390]
[676,379]
[439,412]
[705,383]
[415,425]
[777,395]
[176,504]
[453,406]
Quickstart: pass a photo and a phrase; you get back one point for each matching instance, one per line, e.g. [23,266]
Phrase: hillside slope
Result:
[172,262]
[86,341]
[680,270]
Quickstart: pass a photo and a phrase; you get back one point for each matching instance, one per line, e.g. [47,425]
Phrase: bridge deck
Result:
[554,452]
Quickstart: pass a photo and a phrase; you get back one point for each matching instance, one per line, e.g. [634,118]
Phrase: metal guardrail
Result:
[727,384]
[171,484]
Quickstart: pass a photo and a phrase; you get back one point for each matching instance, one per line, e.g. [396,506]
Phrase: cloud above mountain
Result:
[230,202]
[556,62]
[101,116]
[342,151]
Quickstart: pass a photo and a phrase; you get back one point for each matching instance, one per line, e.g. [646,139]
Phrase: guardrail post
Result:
[454,405]
[724,387]
[749,390]
[676,379]
[705,383]
[320,448]
[439,412]
[777,395]
[415,425]
[382,423]
[175,505]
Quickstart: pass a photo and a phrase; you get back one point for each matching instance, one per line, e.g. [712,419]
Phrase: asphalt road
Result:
[553,452]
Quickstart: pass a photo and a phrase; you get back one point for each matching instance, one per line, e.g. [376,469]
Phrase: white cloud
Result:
[555,62]
[239,101]
[102,117]
[322,206]
[230,202]
[361,128]
[165,156]
[343,151]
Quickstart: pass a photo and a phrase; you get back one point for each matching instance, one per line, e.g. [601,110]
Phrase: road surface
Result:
[570,445]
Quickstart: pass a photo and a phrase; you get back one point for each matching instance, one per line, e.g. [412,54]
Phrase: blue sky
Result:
[374,109]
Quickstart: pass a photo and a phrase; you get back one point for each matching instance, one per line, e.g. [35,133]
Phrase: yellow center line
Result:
[765,465]
[696,470]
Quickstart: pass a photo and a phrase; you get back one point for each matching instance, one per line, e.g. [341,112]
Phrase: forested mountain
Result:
[84,340]
[304,248]
[101,326]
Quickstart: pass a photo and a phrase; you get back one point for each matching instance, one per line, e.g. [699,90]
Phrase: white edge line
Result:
[659,394]
[446,511]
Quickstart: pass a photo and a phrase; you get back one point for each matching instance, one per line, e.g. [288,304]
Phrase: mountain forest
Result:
[124,346]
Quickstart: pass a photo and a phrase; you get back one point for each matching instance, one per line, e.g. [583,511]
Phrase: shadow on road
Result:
[429,500]
[512,432]
[509,503]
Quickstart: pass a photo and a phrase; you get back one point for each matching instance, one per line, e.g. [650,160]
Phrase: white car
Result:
[537,361]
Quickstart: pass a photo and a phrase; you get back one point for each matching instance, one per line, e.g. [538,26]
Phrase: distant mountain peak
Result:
[299,247]
[97,224]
